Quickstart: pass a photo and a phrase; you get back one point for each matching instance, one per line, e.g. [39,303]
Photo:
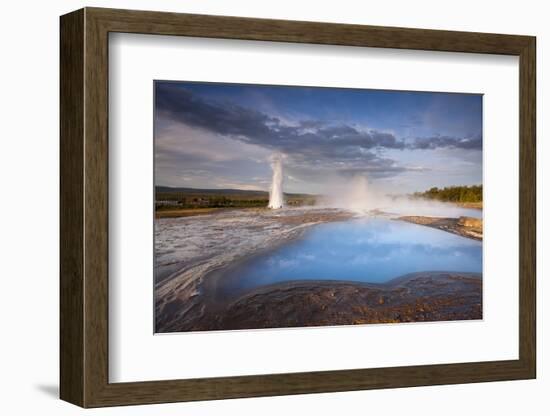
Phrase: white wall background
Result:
[29,212]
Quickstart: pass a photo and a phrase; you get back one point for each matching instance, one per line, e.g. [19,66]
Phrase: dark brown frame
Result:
[84,210]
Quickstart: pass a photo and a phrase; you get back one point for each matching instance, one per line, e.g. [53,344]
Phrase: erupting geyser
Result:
[276,190]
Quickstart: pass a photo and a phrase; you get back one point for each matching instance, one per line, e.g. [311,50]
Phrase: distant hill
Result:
[194,191]
[169,189]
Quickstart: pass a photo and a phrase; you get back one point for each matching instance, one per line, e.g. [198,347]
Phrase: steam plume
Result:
[276,190]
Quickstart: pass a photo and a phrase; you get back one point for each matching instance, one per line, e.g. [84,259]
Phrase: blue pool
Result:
[366,250]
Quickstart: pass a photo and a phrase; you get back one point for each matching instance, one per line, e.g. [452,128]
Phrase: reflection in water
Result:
[367,250]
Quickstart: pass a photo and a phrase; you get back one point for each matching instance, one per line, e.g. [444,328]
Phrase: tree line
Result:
[472,193]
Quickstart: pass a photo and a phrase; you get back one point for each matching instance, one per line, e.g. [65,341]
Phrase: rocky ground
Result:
[187,249]
[429,296]
[463,226]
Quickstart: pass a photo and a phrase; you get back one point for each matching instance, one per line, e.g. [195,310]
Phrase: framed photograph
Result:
[255,207]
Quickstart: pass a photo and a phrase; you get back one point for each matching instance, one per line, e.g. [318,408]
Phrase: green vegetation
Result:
[461,194]
[170,199]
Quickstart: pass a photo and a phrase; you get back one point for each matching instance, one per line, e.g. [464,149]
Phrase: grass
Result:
[184,212]
[191,212]
[187,202]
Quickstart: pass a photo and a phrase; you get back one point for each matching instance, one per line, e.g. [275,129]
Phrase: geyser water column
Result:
[276,190]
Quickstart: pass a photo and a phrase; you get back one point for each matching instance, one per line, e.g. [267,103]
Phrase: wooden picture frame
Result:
[84,207]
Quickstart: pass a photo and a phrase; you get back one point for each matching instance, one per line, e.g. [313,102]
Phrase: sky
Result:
[219,136]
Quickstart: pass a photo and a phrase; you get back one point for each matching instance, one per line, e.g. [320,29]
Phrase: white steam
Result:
[276,190]
[355,194]
[363,197]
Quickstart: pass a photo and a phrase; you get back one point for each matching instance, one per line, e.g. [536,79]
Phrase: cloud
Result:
[440,142]
[307,137]
[309,144]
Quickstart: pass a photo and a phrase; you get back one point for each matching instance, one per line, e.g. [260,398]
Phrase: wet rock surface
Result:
[418,297]
[463,226]
[188,249]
